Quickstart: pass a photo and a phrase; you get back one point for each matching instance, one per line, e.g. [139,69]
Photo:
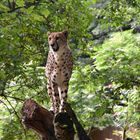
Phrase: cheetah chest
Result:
[60,74]
[59,67]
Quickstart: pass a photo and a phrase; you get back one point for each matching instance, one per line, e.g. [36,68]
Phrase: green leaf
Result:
[45,12]
[3,7]
[20,3]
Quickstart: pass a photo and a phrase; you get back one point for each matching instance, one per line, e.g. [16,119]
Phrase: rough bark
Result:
[63,127]
[39,119]
[80,130]
[50,127]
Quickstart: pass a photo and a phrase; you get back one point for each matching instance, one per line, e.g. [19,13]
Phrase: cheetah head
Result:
[57,40]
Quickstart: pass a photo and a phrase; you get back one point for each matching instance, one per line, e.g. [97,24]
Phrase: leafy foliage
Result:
[110,80]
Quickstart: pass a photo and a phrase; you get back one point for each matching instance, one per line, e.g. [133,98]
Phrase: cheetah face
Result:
[57,40]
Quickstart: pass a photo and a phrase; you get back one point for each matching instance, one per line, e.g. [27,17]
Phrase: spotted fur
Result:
[58,69]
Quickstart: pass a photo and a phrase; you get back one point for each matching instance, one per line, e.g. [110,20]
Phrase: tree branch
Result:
[81,132]
[103,34]
[50,127]
[12,108]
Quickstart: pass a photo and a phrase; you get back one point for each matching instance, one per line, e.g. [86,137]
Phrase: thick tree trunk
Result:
[39,119]
[50,127]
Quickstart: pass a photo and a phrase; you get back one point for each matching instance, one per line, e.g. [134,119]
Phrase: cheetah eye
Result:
[49,38]
[57,37]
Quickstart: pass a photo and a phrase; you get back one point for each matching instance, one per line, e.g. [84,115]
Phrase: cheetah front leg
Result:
[56,99]
[49,88]
[63,96]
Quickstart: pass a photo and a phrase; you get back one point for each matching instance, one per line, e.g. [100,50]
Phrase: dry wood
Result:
[48,126]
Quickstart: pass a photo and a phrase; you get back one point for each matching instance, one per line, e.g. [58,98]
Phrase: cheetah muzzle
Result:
[55,47]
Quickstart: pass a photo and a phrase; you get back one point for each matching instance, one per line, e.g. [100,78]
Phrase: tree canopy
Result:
[104,37]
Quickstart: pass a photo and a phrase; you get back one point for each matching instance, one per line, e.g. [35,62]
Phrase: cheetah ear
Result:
[65,33]
[48,33]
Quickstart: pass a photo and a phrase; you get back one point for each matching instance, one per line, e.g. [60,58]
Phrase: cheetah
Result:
[58,70]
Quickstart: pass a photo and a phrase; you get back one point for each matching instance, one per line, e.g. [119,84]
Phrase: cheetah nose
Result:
[52,44]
